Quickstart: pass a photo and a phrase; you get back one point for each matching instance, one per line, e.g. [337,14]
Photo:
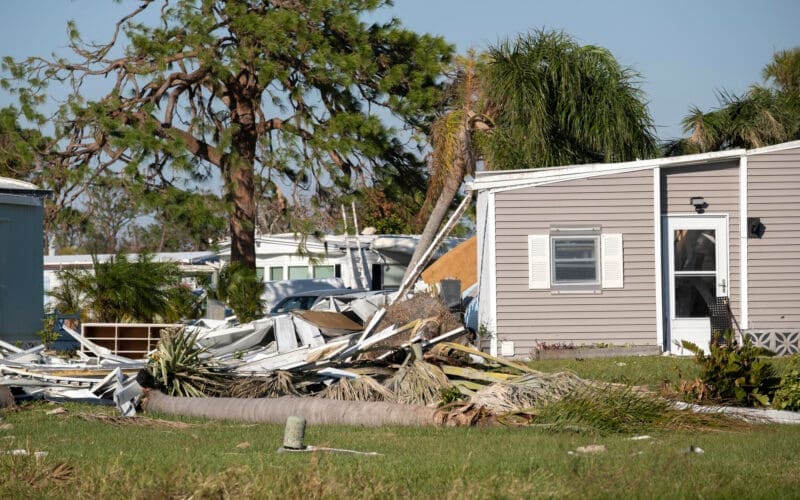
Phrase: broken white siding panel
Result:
[719,185]
[285,335]
[308,333]
[619,204]
[774,260]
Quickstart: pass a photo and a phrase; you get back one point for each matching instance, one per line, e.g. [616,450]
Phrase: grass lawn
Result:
[181,458]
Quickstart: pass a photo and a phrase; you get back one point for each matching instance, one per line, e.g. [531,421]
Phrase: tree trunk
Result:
[237,169]
[277,410]
[463,163]
[438,214]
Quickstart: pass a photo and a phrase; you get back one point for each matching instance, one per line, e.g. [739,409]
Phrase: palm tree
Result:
[765,114]
[541,100]
[120,290]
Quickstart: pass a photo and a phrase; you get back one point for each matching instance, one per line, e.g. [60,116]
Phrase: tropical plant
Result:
[541,100]
[241,288]
[787,397]
[734,372]
[181,367]
[765,114]
[121,290]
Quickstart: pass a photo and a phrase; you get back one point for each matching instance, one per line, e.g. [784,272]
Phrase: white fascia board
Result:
[657,246]
[743,232]
[492,247]
[527,178]
[775,148]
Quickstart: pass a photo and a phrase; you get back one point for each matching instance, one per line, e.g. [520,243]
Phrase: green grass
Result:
[99,459]
[634,370]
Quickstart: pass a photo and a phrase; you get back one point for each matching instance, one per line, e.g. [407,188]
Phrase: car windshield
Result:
[292,303]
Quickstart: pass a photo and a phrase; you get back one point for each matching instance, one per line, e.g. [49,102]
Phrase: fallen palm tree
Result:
[277,410]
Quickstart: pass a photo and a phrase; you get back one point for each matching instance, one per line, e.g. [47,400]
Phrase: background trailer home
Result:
[643,253]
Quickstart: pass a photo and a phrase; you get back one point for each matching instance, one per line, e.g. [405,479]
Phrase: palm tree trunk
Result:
[277,410]
[438,214]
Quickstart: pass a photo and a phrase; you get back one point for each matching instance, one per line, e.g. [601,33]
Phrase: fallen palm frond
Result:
[357,389]
[420,306]
[606,410]
[134,421]
[278,383]
[183,368]
[446,351]
[418,382]
[529,391]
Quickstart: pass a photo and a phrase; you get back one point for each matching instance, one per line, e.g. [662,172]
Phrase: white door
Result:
[697,274]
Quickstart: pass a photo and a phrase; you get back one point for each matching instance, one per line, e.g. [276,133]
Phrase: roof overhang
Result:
[519,179]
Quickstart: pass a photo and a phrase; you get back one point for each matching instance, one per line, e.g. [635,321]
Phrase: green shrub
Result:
[240,287]
[736,373]
[787,397]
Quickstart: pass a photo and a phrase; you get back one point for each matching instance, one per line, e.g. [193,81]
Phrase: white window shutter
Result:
[611,254]
[538,261]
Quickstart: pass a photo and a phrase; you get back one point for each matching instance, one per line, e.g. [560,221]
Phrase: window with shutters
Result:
[575,260]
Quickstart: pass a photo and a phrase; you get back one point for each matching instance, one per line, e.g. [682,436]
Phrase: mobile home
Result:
[643,253]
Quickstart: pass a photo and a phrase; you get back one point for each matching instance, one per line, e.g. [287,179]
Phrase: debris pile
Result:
[414,352]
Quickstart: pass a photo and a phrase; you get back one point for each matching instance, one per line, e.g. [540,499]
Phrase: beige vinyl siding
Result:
[620,203]
[773,269]
[719,185]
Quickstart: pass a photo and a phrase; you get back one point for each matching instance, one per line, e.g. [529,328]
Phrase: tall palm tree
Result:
[541,100]
[765,114]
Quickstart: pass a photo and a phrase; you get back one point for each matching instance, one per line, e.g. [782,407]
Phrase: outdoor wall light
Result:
[699,203]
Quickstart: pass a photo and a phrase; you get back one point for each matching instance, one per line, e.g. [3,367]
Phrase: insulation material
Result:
[460,263]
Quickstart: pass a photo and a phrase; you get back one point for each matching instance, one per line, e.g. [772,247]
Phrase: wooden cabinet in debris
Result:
[132,340]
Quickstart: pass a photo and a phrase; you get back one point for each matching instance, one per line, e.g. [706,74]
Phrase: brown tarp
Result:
[460,263]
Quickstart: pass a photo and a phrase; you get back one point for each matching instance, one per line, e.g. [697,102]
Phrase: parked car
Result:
[307,300]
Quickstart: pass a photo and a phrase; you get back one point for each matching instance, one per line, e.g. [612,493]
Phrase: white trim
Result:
[516,178]
[659,296]
[696,329]
[492,261]
[774,148]
[743,232]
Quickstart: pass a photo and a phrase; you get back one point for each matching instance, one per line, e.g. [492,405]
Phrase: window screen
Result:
[574,260]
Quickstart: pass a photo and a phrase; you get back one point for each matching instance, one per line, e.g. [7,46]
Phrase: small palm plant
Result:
[181,367]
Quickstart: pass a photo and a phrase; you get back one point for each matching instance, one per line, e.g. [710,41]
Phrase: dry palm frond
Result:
[418,382]
[278,383]
[357,389]
[451,351]
[420,306]
[464,415]
[531,390]
[135,421]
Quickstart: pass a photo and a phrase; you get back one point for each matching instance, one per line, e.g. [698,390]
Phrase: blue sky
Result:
[685,50]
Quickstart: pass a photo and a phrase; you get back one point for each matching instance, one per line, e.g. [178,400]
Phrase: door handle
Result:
[724,285]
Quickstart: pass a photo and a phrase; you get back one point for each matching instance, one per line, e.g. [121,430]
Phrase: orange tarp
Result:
[460,263]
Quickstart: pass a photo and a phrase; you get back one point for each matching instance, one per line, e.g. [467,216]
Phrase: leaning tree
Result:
[539,100]
[303,91]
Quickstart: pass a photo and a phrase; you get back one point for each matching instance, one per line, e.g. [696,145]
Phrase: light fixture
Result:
[699,204]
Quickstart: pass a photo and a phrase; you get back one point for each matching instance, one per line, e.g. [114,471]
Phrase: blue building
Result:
[21,287]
